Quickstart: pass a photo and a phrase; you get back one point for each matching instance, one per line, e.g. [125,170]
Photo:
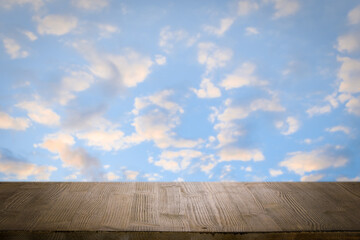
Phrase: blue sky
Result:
[105,90]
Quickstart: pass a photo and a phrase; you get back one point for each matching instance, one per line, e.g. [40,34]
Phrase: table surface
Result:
[180,207]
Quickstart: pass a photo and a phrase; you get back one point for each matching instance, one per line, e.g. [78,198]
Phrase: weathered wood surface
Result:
[120,210]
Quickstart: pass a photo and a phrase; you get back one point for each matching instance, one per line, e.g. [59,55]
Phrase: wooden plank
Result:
[223,208]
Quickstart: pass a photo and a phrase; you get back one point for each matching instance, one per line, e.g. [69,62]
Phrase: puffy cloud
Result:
[346,179]
[107,140]
[131,175]
[40,114]
[284,8]
[56,24]
[14,49]
[240,154]
[177,160]
[36,4]
[30,35]
[353,106]
[213,56]
[251,31]
[228,129]
[75,82]
[15,168]
[207,89]
[110,176]
[275,172]
[226,170]
[77,158]
[107,29]
[318,159]
[312,177]
[169,37]
[90,4]
[242,76]
[228,132]
[8,122]
[317,110]
[160,59]
[291,126]
[128,69]
[158,121]
[348,43]
[245,7]
[241,112]
[339,128]
[349,73]
[354,15]
[159,99]
[152,176]
[225,24]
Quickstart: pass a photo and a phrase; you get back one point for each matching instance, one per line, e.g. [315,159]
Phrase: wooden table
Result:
[59,210]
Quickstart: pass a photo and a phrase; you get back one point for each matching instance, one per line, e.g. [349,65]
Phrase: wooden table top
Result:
[193,207]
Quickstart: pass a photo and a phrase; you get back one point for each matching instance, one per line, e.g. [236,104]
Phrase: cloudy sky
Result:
[107,90]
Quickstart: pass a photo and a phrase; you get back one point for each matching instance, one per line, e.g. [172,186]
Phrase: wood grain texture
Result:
[191,208]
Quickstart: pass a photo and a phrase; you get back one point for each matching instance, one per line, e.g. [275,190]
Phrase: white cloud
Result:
[158,121]
[168,38]
[228,132]
[8,122]
[348,43]
[251,31]
[213,56]
[228,129]
[90,4]
[106,30]
[240,154]
[30,35]
[241,112]
[110,176]
[225,24]
[318,159]
[339,128]
[226,170]
[131,175]
[312,177]
[346,179]
[245,7]
[242,76]
[349,73]
[160,59]
[15,168]
[8,4]
[128,69]
[107,140]
[40,114]
[159,99]
[23,170]
[207,89]
[317,110]
[275,172]
[76,82]
[152,176]
[291,126]
[311,141]
[177,160]
[353,106]
[354,15]
[56,24]
[77,158]
[14,49]
[284,8]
